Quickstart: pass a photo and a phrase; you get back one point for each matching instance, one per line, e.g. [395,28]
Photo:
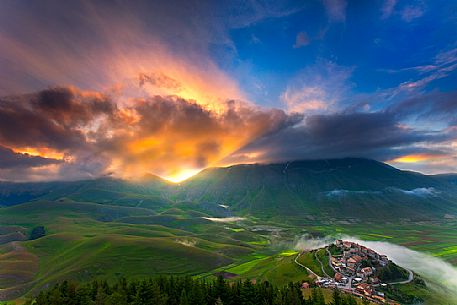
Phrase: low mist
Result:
[224,219]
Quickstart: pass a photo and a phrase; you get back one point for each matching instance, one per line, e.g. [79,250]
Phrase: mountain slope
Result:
[150,193]
[316,189]
[335,188]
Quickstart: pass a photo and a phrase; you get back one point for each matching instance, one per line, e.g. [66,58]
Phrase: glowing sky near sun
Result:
[126,89]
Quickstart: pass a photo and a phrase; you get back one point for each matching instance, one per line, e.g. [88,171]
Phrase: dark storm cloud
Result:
[378,135]
[87,134]
[434,105]
[92,135]
[50,118]
[11,160]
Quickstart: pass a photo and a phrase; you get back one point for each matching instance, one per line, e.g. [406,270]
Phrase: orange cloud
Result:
[143,105]
[414,158]
[43,152]
[176,138]
[87,134]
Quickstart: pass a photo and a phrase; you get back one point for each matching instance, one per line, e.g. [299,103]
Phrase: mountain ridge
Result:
[335,188]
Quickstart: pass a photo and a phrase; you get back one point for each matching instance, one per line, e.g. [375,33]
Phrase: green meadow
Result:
[89,240]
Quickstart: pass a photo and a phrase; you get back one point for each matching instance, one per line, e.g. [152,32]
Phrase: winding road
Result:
[303,266]
[409,280]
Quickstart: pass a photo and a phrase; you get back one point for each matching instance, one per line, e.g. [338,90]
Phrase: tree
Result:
[350,300]
[318,297]
[117,298]
[184,300]
[337,300]
[37,232]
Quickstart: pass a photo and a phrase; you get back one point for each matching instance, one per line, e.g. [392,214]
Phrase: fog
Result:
[224,219]
[421,192]
[440,275]
[418,192]
[307,243]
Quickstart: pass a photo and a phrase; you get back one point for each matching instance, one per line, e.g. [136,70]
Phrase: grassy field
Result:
[86,240]
[80,245]
[308,259]
[277,269]
[323,257]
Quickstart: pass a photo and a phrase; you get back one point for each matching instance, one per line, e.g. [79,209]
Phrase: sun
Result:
[182,175]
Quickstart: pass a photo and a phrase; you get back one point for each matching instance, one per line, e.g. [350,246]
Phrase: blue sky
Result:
[381,46]
[121,87]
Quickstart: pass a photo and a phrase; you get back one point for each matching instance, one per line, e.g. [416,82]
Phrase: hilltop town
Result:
[361,271]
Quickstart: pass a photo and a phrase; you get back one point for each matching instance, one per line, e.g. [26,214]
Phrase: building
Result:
[364,289]
[379,299]
[347,244]
[351,262]
[357,258]
[374,280]
[366,272]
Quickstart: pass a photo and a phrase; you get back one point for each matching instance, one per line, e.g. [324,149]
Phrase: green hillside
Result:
[108,228]
[338,188]
[341,188]
[81,244]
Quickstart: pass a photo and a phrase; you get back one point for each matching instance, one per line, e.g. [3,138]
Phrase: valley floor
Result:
[87,240]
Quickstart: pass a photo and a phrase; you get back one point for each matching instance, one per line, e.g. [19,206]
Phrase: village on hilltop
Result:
[355,267]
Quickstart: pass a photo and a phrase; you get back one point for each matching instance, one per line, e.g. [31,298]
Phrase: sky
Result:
[130,88]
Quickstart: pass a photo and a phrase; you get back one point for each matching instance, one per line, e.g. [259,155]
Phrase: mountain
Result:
[449,178]
[150,191]
[335,188]
[109,228]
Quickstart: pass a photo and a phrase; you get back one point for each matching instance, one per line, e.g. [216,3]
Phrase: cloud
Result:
[421,192]
[225,219]
[417,192]
[345,134]
[444,63]
[343,193]
[434,105]
[172,134]
[409,13]
[67,133]
[317,88]
[141,101]
[50,118]
[11,160]
[434,162]
[103,47]
[88,134]
[308,243]
[388,8]
[336,10]
[301,40]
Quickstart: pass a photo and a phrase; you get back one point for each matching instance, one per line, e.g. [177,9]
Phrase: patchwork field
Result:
[87,240]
